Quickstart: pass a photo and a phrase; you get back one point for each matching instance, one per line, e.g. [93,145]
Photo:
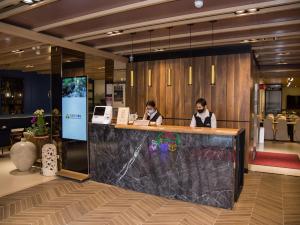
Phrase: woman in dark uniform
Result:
[152,114]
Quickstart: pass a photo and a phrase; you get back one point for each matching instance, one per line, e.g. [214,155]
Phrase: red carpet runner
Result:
[276,160]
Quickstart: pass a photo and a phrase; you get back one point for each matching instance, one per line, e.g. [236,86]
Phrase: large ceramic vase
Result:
[23,154]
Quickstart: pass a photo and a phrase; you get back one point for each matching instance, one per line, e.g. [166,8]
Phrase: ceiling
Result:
[273,31]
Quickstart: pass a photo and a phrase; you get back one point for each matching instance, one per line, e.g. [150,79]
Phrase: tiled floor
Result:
[266,199]
[12,181]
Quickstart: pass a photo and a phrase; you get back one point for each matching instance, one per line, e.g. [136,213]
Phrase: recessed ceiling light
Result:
[17,51]
[253,10]
[68,60]
[198,4]
[159,50]
[114,33]
[281,63]
[244,41]
[243,12]
[29,66]
[101,68]
[283,53]
[239,12]
[30,2]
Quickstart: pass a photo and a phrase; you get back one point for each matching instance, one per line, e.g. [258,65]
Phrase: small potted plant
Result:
[38,124]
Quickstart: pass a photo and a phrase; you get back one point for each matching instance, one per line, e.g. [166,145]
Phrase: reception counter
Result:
[199,165]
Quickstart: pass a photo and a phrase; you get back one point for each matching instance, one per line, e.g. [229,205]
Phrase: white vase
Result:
[23,154]
[49,160]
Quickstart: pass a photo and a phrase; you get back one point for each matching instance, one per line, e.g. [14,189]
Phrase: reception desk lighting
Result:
[190,78]
[213,75]
[149,77]
[131,78]
[169,83]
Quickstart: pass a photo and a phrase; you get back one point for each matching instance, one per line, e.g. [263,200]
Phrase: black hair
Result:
[201,101]
[151,103]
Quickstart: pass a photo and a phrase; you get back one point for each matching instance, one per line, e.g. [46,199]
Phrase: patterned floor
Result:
[266,199]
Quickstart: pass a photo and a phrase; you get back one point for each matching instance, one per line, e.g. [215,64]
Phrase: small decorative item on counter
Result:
[23,154]
[39,125]
[49,160]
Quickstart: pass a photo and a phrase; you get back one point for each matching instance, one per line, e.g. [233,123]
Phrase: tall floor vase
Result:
[23,154]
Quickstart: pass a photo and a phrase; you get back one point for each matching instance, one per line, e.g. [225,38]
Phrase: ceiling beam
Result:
[44,38]
[6,3]
[204,43]
[24,8]
[276,46]
[99,14]
[217,31]
[165,22]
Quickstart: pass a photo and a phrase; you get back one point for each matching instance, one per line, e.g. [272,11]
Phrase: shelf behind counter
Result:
[199,165]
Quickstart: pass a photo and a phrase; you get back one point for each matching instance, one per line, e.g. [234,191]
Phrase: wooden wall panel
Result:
[229,99]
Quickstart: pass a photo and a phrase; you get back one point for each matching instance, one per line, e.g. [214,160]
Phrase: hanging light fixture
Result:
[149,64]
[190,78]
[131,63]
[213,73]
[169,83]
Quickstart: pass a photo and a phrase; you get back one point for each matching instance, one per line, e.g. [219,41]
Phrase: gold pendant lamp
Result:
[149,64]
[169,71]
[190,77]
[213,66]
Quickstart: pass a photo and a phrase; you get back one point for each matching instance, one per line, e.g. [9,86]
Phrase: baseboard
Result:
[73,175]
[275,170]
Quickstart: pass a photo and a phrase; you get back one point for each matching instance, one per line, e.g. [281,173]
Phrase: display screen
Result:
[74,108]
[293,102]
[99,111]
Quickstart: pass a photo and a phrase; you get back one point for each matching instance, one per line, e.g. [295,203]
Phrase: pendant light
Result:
[149,64]
[213,67]
[169,83]
[190,77]
[131,63]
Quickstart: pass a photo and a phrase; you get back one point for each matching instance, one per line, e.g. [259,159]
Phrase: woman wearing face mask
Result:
[152,114]
[203,117]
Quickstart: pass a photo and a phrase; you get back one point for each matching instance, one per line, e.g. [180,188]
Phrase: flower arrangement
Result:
[38,123]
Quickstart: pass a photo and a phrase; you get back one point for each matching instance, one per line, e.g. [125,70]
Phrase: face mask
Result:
[200,110]
[151,111]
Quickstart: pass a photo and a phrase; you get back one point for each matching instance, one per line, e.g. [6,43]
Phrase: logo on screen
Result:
[73,116]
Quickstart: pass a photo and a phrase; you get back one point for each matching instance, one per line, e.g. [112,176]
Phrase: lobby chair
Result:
[268,127]
[281,132]
[271,116]
[297,131]
[4,138]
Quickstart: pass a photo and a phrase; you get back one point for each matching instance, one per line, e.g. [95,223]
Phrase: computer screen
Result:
[99,111]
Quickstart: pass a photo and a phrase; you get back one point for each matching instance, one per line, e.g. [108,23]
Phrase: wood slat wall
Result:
[229,99]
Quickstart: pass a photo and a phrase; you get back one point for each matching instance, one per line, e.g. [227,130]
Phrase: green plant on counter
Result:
[38,124]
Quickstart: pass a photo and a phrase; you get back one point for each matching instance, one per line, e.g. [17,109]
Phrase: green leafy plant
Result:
[38,123]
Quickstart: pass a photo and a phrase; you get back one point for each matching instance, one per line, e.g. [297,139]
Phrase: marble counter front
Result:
[195,167]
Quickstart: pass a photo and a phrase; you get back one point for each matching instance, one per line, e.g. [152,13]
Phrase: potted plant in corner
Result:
[38,124]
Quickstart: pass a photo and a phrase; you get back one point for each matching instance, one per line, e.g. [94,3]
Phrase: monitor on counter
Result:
[102,115]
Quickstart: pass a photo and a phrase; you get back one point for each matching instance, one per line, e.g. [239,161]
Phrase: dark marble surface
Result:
[200,170]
